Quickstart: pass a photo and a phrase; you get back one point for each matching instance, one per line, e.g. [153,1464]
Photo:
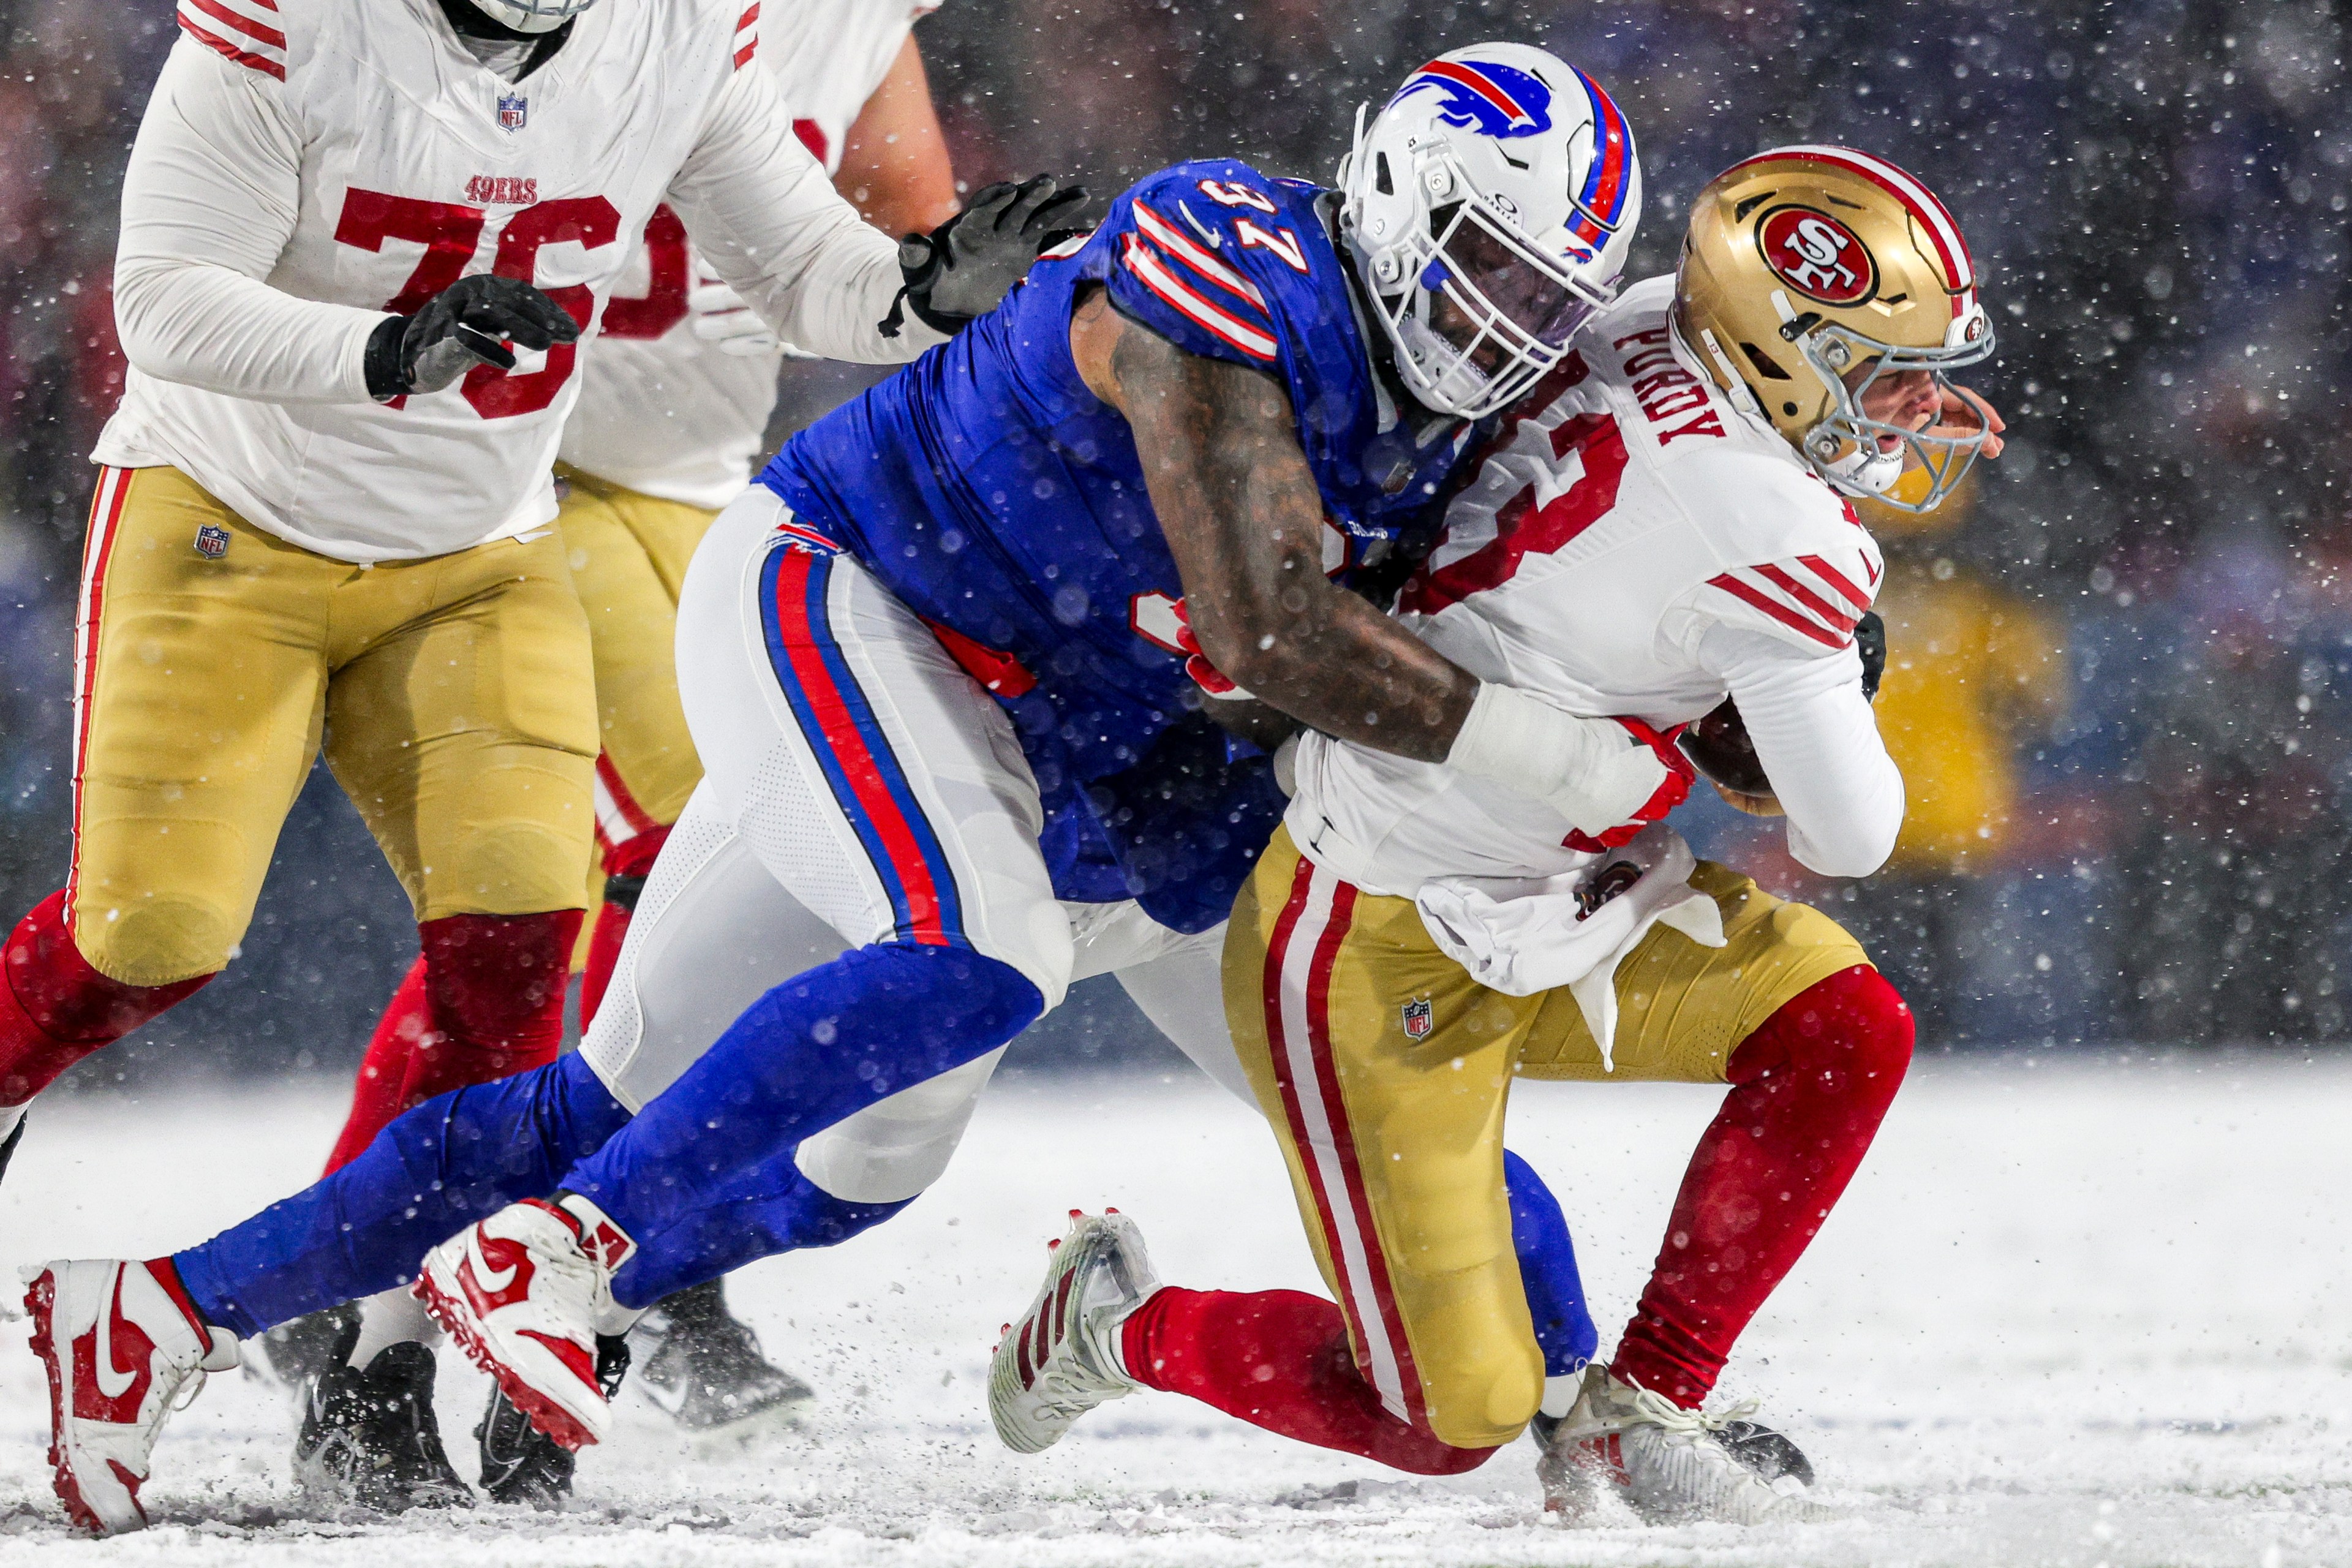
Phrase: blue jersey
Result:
[1005,504]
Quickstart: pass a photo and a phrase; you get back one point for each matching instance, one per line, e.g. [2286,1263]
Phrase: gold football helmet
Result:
[1804,265]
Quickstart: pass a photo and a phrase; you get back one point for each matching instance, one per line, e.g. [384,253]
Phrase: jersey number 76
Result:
[450,233]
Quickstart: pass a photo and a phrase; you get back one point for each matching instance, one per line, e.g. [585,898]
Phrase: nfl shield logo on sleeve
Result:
[211,542]
[1418,1019]
[513,110]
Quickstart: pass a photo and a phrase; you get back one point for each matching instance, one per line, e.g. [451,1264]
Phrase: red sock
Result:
[484,1001]
[627,868]
[375,1092]
[1277,1359]
[55,1009]
[1810,1089]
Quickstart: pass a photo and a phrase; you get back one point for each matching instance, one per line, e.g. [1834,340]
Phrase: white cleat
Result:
[1061,1358]
[524,1293]
[1671,1465]
[120,1341]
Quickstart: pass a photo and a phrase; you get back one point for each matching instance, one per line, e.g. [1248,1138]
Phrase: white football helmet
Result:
[1503,181]
[532,16]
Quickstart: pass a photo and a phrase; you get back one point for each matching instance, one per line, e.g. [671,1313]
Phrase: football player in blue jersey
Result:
[950,668]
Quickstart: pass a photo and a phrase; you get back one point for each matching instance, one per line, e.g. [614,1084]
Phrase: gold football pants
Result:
[629,554]
[452,694]
[1384,1070]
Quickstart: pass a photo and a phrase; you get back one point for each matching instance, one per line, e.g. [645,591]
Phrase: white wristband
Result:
[1591,771]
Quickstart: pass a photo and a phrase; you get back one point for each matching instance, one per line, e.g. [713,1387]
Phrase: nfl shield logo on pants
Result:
[513,110]
[211,542]
[1418,1020]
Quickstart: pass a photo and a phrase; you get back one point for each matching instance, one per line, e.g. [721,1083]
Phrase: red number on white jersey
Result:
[1281,241]
[1158,618]
[450,234]
[448,231]
[1227,195]
[663,304]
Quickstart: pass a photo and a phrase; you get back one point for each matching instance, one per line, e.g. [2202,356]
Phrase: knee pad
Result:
[891,1150]
[162,940]
[1481,1389]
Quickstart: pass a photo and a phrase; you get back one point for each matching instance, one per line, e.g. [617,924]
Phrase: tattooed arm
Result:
[1240,513]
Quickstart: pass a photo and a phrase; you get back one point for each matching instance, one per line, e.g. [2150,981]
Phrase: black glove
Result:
[961,268]
[466,324]
[1870,638]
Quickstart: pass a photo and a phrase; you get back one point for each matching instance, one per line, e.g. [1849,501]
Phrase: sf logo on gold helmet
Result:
[1829,293]
[1817,255]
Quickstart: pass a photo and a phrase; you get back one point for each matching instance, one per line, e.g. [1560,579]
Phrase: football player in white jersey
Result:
[1666,523]
[672,405]
[362,249]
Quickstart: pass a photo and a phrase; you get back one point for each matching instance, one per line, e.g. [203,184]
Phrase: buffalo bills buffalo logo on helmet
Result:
[1482,96]
[1817,255]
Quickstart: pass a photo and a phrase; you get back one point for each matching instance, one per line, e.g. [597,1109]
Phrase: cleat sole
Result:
[552,1420]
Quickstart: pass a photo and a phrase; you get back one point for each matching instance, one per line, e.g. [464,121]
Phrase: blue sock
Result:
[822,1046]
[1564,1327]
[773,1209]
[434,1171]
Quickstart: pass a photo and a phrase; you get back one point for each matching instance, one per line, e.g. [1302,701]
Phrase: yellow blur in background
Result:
[1973,672]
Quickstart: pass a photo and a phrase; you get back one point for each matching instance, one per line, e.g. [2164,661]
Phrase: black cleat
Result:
[369,1439]
[293,1354]
[1768,1454]
[522,1464]
[703,1365]
[8,1148]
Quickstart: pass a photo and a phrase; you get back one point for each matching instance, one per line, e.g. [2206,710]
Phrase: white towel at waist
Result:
[1572,929]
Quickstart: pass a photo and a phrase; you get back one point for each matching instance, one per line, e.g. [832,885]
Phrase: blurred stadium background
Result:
[2120,667]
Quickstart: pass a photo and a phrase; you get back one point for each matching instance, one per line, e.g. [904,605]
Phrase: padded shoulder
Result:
[249,33]
[1791,557]
[1221,260]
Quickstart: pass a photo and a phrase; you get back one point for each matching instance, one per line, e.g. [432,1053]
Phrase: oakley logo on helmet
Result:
[1482,96]
[1817,255]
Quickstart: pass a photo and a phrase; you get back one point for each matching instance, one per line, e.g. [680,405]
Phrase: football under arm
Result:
[1818,742]
[209,202]
[764,216]
[1241,515]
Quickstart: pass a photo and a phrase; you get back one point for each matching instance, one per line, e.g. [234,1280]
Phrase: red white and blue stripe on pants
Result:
[868,781]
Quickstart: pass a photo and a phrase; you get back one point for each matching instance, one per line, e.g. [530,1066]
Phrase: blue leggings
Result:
[704,1178]
[710,1157]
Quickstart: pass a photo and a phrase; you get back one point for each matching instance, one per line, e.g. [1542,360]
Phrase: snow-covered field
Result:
[2075,1313]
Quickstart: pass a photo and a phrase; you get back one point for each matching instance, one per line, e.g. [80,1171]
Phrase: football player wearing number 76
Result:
[361,250]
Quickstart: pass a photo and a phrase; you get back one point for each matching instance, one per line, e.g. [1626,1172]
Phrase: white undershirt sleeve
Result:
[209,202]
[1818,742]
[762,211]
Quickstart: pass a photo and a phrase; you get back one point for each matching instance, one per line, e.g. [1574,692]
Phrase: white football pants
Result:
[858,786]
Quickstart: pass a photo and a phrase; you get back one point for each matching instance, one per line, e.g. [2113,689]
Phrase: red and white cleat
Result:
[1061,1358]
[121,1340]
[524,1292]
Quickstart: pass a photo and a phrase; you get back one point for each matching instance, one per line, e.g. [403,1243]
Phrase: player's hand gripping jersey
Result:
[306,167]
[1638,546]
[662,411]
[999,499]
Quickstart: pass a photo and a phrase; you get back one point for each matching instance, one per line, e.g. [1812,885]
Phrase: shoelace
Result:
[192,1390]
[1689,1426]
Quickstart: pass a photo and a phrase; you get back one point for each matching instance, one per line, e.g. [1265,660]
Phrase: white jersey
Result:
[305,166]
[661,410]
[1636,546]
